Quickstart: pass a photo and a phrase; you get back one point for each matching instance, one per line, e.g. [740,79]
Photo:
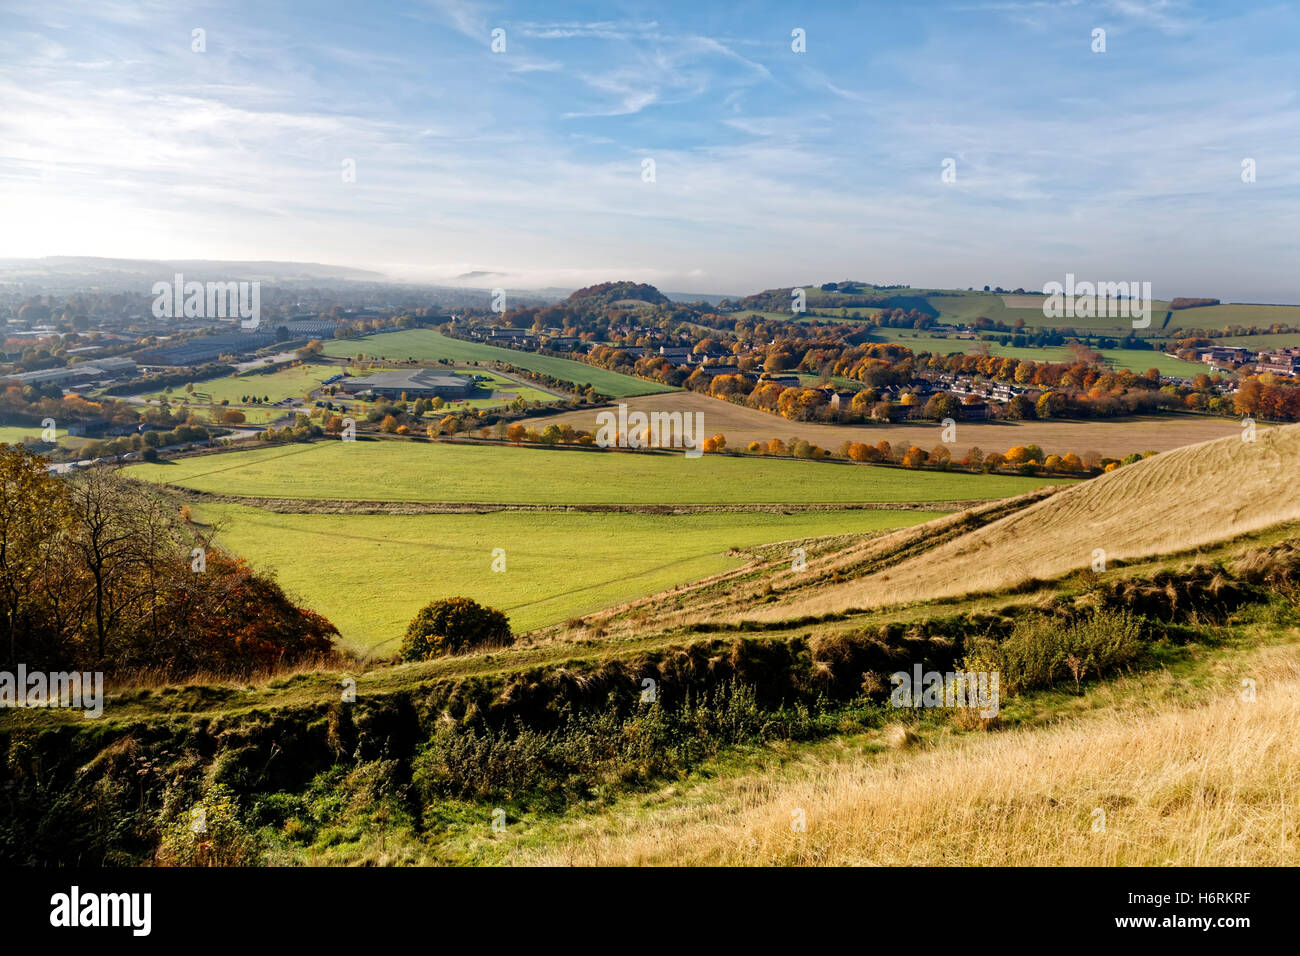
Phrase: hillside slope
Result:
[1180,500]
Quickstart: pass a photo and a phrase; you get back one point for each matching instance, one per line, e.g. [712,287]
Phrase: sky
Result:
[690,145]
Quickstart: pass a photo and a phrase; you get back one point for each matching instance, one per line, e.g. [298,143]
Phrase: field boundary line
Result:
[373,507]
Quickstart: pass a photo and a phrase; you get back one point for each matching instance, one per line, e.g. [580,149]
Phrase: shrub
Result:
[453,625]
[1043,651]
[212,834]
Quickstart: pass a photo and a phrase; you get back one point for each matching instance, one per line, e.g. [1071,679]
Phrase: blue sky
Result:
[771,167]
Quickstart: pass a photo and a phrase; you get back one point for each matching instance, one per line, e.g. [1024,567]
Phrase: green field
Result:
[427,345]
[369,574]
[1221,316]
[963,308]
[1264,341]
[15,434]
[504,391]
[1137,360]
[416,471]
[293,382]
[253,414]
[811,381]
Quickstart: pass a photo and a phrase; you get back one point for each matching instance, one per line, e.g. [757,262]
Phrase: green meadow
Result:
[427,345]
[504,391]
[966,307]
[293,382]
[369,574]
[1268,340]
[403,470]
[18,434]
[1136,360]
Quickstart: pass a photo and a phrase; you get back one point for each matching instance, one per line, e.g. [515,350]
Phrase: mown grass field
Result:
[1263,341]
[369,574]
[293,382]
[504,391]
[15,435]
[427,345]
[417,471]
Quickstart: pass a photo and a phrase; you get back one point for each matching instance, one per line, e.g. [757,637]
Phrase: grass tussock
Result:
[1207,785]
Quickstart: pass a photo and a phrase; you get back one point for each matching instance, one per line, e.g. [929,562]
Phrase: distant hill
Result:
[93,267]
[693,297]
[837,295]
[618,294]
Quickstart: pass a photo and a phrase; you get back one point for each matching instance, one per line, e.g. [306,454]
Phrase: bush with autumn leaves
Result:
[99,572]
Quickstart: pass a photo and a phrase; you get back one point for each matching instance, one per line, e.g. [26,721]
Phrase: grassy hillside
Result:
[369,574]
[427,345]
[771,687]
[1137,360]
[1180,768]
[956,307]
[1141,510]
[554,733]
[411,471]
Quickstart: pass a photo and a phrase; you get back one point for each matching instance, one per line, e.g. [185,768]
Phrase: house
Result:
[413,383]
[840,398]
[678,356]
[1279,361]
[1227,355]
[786,381]
[714,370]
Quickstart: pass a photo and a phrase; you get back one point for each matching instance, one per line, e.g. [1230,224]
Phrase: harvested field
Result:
[1111,439]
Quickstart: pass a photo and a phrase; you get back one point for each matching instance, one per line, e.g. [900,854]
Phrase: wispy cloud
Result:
[771,166]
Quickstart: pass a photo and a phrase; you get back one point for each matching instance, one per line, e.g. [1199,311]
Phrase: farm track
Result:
[363,507]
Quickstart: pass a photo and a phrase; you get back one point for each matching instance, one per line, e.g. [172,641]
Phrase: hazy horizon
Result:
[771,167]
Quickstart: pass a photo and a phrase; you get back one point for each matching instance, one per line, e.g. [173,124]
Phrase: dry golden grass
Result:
[1173,502]
[1214,783]
[734,594]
